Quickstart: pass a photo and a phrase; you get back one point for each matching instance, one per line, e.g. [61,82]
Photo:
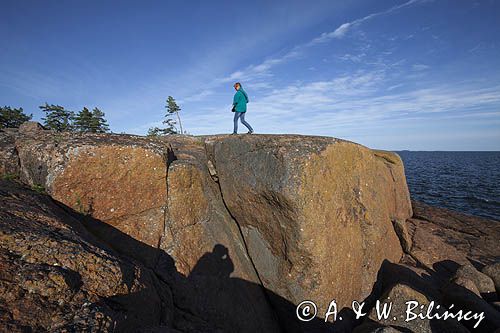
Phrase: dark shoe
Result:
[250,132]
[234,133]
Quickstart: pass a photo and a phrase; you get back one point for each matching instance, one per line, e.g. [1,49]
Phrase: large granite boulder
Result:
[30,126]
[483,282]
[493,271]
[315,212]
[239,228]
[394,302]
[403,307]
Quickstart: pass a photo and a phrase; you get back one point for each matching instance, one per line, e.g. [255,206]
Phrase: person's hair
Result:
[237,84]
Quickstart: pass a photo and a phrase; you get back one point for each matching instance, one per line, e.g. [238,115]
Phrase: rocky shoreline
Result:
[119,233]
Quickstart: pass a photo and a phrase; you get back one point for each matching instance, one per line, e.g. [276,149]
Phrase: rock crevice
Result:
[212,167]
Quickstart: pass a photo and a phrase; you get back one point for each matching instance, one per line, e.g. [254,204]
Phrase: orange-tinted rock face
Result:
[315,212]
[310,217]
[348,197]
[216,233]
[160,193]
[208,250]
[55,276]
[122,186]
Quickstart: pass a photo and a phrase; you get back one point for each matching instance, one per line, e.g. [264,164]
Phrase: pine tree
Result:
[98,123]
[57,117]
[12,118]
[169,121]
[155,131]
[83,121]
[172,108]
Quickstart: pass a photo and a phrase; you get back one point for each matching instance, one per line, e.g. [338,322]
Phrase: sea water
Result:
[467,182]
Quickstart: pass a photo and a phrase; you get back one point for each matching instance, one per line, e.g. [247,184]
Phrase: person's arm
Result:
[236,98]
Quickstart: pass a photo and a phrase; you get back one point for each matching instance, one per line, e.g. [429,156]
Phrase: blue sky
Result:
[418,74]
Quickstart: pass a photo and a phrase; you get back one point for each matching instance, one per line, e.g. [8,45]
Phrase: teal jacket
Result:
[240,100]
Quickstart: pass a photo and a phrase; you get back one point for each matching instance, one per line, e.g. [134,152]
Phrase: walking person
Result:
[240,101]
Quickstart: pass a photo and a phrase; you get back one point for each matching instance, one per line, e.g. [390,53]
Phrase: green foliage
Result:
[80,207]
[60,119]
[58,138]
[57,117]
[38,188]
[10,176]
[98,123]
[12,118]
[155,131]
[169,126]
[83,121]
[173,108]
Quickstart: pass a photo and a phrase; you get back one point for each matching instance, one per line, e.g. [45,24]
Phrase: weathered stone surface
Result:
[399,203]
[196,219]
[55,276]
[482,281]
[30,126]
[206,245]
[470,237]
[467,284]
[111,178]
[397,296]
[429,248]
[50,261]
[315,212]
[160,193]
[9,162]
[444,240]
[210,219]
[403,235]
[122,186]
[374,328]
[493,271]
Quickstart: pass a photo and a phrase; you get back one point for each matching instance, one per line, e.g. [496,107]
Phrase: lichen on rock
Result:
[214,233]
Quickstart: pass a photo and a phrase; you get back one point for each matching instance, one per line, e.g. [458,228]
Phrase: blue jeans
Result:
[240,115]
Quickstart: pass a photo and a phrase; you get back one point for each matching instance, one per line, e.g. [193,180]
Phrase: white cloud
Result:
[475,48]
[198,96]
[353,57]
[353,103]
[261,86]
[420,67]
[342,30]
[262,70]
[395,86]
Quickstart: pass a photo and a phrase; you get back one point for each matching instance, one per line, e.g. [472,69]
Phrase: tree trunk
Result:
[180,124]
